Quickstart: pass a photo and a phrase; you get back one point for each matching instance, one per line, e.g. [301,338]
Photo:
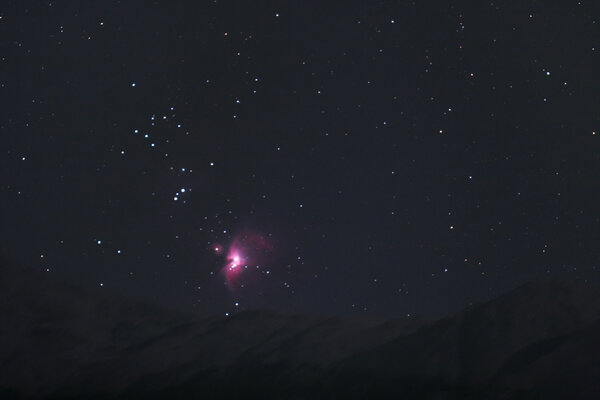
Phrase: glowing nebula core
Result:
[235,264]
[248,251]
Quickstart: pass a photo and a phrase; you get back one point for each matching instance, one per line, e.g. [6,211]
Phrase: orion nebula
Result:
[249,252]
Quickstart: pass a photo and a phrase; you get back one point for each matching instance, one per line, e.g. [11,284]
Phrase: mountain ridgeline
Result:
[540,340]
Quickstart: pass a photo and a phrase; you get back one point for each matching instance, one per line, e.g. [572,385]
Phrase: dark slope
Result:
[472,346]
[557,366]
[57,340]
[51,331]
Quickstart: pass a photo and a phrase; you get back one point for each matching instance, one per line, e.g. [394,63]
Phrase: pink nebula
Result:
[248,251]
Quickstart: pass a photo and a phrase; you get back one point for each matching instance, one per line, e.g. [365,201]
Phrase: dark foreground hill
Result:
[541,340]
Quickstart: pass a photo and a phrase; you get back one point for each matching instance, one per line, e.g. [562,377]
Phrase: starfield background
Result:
[300,199]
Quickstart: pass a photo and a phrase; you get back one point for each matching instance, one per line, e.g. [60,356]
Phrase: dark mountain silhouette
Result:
[541,340]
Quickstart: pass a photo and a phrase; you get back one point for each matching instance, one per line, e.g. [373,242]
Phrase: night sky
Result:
[358,158]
